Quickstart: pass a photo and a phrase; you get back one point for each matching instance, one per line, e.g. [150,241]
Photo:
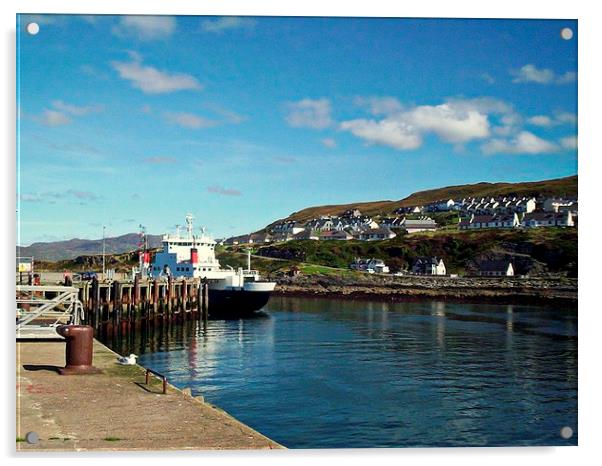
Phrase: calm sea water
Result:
[327,373]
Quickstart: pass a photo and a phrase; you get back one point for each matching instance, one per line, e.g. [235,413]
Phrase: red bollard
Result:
[78,353]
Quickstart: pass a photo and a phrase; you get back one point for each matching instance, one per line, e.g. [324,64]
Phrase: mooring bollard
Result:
[79,349]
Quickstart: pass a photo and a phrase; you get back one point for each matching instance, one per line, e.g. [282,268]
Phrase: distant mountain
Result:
[556,187]
[70,249]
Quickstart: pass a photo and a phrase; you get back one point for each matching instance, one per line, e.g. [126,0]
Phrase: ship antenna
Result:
[189,219]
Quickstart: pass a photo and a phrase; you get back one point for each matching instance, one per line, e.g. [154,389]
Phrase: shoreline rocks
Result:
[503,289]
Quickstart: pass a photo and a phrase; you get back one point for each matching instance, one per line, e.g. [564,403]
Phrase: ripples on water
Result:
[326,373]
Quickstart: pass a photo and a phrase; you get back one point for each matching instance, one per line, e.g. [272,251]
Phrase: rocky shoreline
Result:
[475,289]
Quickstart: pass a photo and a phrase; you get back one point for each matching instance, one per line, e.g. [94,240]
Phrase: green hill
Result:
[556,187]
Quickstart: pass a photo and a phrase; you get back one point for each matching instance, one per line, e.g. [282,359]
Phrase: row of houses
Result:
[499,205]
[485,268]
[436,266]
[364,234]
[528,220]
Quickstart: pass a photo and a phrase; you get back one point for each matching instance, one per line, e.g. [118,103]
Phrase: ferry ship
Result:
[232,293]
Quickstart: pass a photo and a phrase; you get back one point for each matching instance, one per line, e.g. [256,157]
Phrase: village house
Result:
[476,222]
[548,219]
[340,235]
[440,206]
[256,238]
[326,224]
[287,227]
[422,224]
[375,234]
[351,213]
[428,266]
[553,204]
[308,233]
[496,268]
[370,265]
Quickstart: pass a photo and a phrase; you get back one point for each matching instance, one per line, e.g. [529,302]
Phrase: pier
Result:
[109,303]
[116,409]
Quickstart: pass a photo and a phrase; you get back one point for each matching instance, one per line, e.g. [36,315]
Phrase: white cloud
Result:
[189,120]
[145,27]
[309,113]
[150,80]
[569,142]
[450,123]
[225,23]
[388,132]
[456,121]
[329,142]
[523,143]
[559,118]
[541,120]
[566,117]
[530,73]
[54,118]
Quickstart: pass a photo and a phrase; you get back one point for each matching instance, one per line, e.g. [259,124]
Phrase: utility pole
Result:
[103,252]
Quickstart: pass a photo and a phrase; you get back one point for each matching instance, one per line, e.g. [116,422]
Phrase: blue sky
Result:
[140,119]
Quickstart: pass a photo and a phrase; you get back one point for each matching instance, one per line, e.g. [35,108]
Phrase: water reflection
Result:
[314,373]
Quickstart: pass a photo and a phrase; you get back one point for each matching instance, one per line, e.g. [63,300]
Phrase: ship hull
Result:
[230,304]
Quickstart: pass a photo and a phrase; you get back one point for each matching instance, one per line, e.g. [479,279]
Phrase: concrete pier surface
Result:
[115,410]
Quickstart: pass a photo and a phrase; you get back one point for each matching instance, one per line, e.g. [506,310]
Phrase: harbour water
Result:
[329,373]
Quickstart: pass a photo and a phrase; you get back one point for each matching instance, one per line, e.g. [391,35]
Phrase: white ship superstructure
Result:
[193,256]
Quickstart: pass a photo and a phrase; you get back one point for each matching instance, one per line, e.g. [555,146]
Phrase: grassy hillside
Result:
[557,187]
[532,251]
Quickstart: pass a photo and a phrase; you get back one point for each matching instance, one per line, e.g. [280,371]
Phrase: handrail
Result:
[66,303]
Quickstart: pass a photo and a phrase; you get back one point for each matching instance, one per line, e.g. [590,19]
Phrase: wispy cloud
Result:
[559,118]
[225,23]
[216,189]
[150,80]
[82,197]
[227,115]
[53,118]
[75,109]
[569,142]
[523,143]
[531,74]
[379,105]
[488,78]
[145,28]
[309,113]
[329,142]
[157,160]
[61,113]
[285,159]
[189,120]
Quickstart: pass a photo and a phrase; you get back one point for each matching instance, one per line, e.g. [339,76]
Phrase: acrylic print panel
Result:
[343,232]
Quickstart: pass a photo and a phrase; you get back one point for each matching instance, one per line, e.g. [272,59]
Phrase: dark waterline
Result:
[328,373]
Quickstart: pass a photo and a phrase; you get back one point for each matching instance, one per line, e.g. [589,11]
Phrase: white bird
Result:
[127,360]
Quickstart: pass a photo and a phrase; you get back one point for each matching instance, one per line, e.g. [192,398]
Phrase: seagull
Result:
[127,360]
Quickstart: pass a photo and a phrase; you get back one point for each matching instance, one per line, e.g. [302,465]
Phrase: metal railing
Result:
[46,307]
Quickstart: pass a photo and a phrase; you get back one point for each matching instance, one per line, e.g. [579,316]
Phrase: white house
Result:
[375,234]
[429,266]
[496,268]
[548,219]
[414,226]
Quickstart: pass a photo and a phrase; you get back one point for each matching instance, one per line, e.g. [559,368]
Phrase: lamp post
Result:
[103,252]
